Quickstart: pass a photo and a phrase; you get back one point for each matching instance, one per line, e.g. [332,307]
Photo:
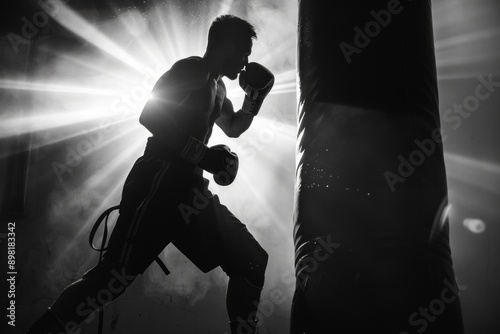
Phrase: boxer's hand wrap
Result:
[256,81]
[217,160]
[194,151]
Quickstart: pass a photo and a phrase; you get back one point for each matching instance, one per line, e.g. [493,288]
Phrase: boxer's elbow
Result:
[237,128]
[232,131]
[233,134]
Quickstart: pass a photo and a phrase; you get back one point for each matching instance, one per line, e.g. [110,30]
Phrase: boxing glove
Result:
[256,81]
[217,160]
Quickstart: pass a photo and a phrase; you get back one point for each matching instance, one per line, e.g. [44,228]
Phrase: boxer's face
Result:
[237,58]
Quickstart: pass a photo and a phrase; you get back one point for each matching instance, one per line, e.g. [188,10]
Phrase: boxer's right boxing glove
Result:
[217,160]
[256,81]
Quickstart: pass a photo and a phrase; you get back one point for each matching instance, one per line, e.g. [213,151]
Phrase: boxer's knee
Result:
[250,265]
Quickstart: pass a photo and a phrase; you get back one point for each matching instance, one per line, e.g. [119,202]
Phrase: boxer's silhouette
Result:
[165,198]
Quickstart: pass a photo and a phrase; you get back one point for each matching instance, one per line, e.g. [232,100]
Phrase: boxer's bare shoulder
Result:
[186,75]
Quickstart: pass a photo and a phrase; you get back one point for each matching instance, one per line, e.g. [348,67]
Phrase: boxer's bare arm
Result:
[233,123]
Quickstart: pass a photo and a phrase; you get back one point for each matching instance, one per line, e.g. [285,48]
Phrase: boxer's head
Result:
[230,42]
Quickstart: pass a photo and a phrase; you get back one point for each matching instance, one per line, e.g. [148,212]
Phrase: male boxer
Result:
[165,198]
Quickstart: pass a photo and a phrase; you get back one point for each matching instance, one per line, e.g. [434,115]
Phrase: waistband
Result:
[161,151]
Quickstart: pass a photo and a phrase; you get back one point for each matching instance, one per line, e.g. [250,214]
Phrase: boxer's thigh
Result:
[213,236]
[147,214]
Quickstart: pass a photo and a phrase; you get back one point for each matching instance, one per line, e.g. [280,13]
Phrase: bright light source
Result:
[474,225]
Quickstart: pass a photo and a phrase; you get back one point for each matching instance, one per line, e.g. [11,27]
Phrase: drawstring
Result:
[104,216]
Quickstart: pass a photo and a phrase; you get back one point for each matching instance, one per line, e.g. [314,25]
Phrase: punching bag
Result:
[371,236]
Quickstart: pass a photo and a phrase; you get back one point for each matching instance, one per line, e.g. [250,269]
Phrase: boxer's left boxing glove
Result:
[217,160]
[256,81]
